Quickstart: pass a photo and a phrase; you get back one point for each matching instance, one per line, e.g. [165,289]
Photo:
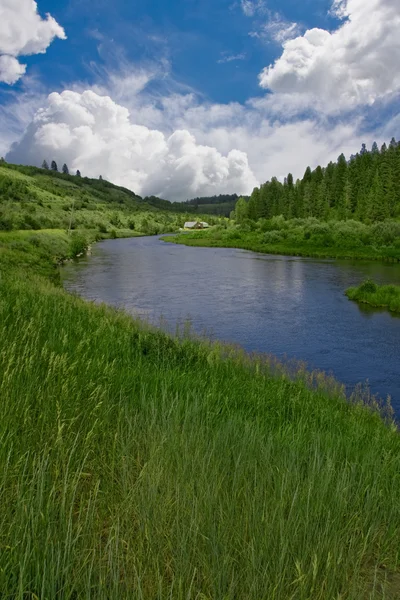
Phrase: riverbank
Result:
[379,296]
[137,465]
[304,237]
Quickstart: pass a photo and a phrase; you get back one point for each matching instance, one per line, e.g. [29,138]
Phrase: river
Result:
[288,306]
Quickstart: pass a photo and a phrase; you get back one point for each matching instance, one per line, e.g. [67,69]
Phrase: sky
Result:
[186,98]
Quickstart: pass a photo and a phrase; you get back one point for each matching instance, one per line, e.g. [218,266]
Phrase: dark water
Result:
[287,306]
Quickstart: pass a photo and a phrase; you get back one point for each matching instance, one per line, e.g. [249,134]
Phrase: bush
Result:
[78,245]
[385,233]
[368,287]
[349,234]
[6,223]
[272,237]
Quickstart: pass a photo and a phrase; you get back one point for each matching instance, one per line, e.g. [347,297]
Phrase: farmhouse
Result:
[196,225]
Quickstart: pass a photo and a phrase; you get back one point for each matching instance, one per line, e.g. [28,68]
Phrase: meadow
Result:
[137,465]
[380,296]
[303,237]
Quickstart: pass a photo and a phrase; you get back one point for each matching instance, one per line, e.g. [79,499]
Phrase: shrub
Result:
[385,233]
[272,237]
[368,287]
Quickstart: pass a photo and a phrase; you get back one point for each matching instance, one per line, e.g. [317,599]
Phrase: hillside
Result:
[33,198]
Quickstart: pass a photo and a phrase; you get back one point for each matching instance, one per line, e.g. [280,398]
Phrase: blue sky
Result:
[206,96]
[193,35]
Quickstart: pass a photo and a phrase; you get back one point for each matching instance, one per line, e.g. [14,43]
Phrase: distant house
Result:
[196,225]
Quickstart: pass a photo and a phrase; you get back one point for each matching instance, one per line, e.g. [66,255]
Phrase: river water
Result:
[288,306]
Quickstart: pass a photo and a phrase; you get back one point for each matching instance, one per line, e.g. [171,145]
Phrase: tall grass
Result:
[134,465]
[381,296]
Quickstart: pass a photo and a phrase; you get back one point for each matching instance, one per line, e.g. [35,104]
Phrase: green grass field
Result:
[135,465]
[304,237]
[380,296]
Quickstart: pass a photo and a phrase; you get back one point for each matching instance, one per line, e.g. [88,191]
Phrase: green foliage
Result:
[32,198]
[135,465]
[307,237]
[365,188]
[381,296]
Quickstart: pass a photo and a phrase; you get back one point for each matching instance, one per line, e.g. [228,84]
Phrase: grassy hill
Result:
[33,198]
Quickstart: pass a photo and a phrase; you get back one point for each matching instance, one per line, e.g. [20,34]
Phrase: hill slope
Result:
[33,198]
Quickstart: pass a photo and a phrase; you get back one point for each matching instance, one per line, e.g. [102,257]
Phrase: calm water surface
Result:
[292,307]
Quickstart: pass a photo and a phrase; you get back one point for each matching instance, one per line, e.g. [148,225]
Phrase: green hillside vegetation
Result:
[33,199]
[350,209]
[136,465]
[380,296]
[304,237]
[221,205]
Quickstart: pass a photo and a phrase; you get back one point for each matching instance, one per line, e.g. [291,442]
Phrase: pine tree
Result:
[54,165]
[377,207]
[65,169]
[339,181]
[78,173]
[45,165]
[344,208]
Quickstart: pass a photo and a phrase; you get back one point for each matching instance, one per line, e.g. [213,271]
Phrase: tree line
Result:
[364,188]
[54,167]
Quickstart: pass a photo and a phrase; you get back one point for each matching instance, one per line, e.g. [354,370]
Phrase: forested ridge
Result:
[365,188]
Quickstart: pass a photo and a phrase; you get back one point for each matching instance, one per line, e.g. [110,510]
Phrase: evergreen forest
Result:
[364,188]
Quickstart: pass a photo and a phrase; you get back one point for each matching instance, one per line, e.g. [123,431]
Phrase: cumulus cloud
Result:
[10,69]
[23,32]
[96,135]
[354,65]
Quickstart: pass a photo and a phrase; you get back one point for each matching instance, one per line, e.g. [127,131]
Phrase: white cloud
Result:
[23,32]
[355,65]
[96,135]
[10,69]
[252,7]
[227,58]
[276,28]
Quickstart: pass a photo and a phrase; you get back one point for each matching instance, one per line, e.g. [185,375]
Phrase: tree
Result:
[78,173]
[45,165]
[241,210]
[54,165]
[253,205]
[100,177]
[65,169]
[2,161]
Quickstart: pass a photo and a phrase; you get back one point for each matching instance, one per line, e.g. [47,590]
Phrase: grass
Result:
[135,465]
[36,199]
[304,237]
[380,296]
